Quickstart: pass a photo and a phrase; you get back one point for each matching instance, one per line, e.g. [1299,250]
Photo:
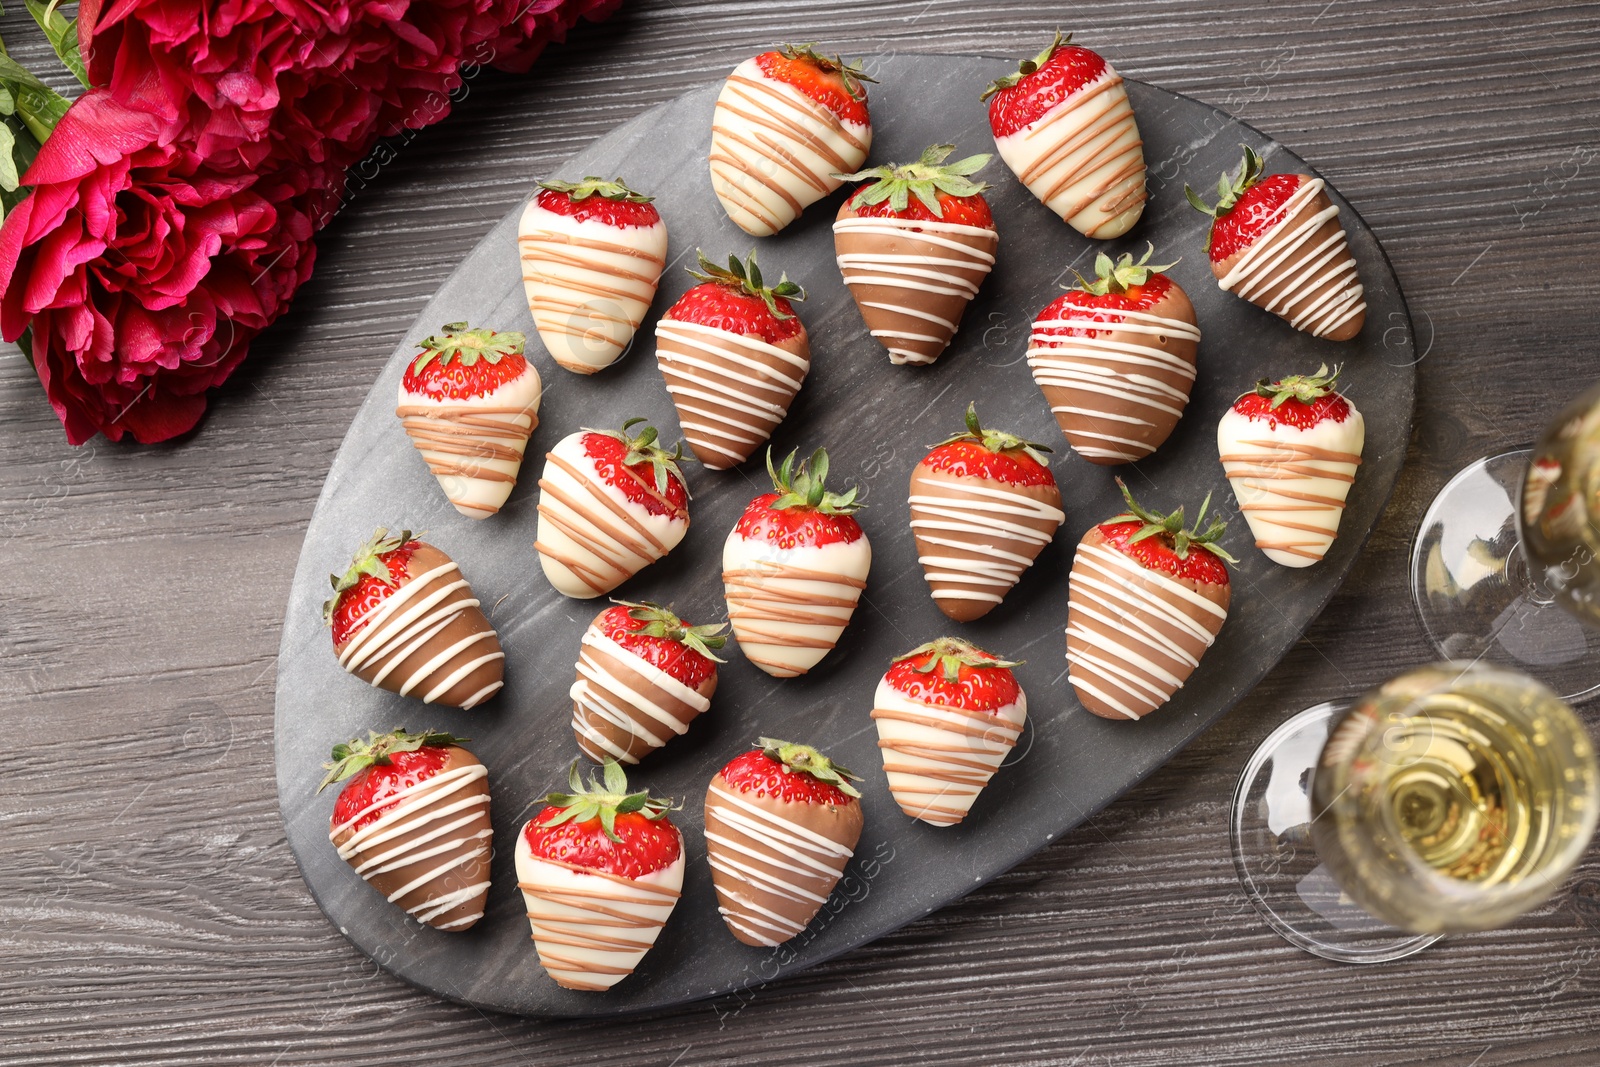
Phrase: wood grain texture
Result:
[150,910]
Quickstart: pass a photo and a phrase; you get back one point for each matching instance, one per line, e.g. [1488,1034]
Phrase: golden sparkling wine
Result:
[1454,797]
[1561,509]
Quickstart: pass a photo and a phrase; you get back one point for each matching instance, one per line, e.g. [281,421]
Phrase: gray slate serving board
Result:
[877,421]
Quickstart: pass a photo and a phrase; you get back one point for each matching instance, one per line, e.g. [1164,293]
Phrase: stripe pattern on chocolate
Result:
[475,446]
[975,537]
[591,928]
[429,852]
[786,617]
[1301,270]
[1116,396]
[429,638]
[588,284]
[1084,159]
[731,391]
[912,278]
[774,150]
[1133,635]
[625,707]
[772,874]
[938,758]
[591,538]
[1291,485]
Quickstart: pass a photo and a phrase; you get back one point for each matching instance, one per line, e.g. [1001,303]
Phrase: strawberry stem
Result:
[996,440]
[802,486]
[615,189]
[746,277]
[604,798]
[924,179]
[1229,190]
[1027,67]
[849,73]
[658,621]
[368,561]
[643,449]
[467,345]
[353,756]
[803,759]
[1122,275]
[949,654]
[1170,527]
[1306,388]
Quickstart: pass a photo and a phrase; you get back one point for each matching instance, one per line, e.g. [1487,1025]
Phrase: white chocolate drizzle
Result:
[588,283]
[1291,484]
[1327,265]
[774,150]
[1143,383]
[930,260]
[1084,159]
[1002,528]
[431,820]
[591,928]
[1151,620]
[646,703]
[937,757]
[409,618]
[731,391]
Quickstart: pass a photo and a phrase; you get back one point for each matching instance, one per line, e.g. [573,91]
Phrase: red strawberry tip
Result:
[368,560]
[1027,66]
[467,345]
[1171,527]
[803,759]
[745,276]
[604,799]
[1117,278]
[924,179]
[803,486]
[850,74]
[657,621]
[996,440]
[1229,190]
[949,654]
[1306,388]
[350,758]
[643,449]
[615,189]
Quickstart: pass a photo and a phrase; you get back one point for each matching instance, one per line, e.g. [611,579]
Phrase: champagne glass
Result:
[1491,578]
[1454,797]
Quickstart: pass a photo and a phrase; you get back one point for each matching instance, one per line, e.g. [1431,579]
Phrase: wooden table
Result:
[150,912]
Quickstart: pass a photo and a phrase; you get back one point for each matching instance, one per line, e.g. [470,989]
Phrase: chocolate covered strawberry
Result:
[914,244]
[786,123]
[733,353]
[592,254]
[983,505]
[469,402]
[794,567]
[413,820]
[1146,598]
[404,619]
[600,870]
[1277,242]
[947,713]
[781,823]
[1290,449]
[610,503]
[1115,358]
[1063,123]
[643,675]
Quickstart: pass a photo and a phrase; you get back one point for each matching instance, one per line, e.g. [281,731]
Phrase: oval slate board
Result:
[877,421]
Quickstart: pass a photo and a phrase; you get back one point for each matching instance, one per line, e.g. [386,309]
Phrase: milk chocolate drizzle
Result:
[625,707]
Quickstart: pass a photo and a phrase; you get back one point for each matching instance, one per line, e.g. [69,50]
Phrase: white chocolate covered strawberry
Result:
[610,504]
[793,569]
[643,676]
[1290,449]
[600,870]
[1064,125]
[1277,242]
[787,123]
[592,254]
[948,713]
[469,402]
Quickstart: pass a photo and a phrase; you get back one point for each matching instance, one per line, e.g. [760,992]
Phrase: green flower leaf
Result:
[62,34]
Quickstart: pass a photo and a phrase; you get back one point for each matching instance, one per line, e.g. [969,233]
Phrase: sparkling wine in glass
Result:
[1561,509]
[1454,797]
